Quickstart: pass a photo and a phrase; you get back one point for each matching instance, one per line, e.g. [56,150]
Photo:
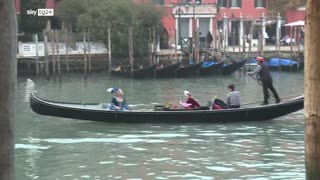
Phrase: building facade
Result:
[184,19]
[293,15]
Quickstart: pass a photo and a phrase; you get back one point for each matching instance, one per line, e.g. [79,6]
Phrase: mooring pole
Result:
[8,81]
[312,86]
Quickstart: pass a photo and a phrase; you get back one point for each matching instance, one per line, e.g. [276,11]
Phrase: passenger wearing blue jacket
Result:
[118,101]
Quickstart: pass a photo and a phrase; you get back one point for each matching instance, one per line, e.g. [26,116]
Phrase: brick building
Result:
[185,16]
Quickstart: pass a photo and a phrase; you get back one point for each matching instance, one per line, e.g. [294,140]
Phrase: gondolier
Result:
[266,79]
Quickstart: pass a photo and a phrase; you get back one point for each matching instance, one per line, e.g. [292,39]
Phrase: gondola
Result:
[96,112]
[168,71]
[209,68]
[189,70]
[145,72]
[231,68]
[285,64]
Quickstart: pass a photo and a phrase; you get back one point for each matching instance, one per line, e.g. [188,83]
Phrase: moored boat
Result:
[145,72]
[168,71]
[284,64]
[189,70]
[231,68]
[209,68]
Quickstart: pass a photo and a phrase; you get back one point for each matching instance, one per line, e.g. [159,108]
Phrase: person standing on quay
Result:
[266,79]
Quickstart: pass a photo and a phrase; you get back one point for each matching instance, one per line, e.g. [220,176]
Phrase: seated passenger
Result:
[118,101]
[192,103]
[233,97]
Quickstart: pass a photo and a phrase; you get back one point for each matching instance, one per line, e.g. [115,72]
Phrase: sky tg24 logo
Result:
[41,12]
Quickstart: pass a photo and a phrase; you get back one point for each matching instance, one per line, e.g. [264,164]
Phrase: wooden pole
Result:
[150,47]
[291,42]
[176,47]
[46,53]
[233,42]
[312,86]
[89,51]
[263,31]
[250,38]
[241,33]
[130,41]
[109,49]
[278,35]
[37,53]
[8,80]
[84,52]
[53,53]
[67,44]
[57,48]
[154,44]
[299,50]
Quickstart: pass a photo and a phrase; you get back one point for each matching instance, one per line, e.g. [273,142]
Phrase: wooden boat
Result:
[145,72]
[231,68]
[189,70]
[209,68]
[96,112]
[284,63]
[168,71]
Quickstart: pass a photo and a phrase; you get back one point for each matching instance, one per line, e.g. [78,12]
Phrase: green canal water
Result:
[58,148]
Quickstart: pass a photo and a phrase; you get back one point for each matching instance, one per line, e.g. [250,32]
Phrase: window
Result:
[260,3]
[222,3]
[190,2]
[235,3]
[26,48]
[199,2]
[158,2]
[40,47]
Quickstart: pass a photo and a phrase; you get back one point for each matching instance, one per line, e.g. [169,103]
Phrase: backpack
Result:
[219,104]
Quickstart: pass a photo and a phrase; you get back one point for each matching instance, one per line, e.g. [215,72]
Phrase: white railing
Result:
[28,49]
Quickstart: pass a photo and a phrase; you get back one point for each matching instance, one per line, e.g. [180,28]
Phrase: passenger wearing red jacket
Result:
[193,103]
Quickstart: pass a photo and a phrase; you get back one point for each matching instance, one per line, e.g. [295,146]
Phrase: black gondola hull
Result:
[190,70]
[260,113]
[213,69]
[227,70]
[146,72]
[169,71]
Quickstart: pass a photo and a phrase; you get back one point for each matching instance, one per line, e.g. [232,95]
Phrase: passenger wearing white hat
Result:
[193,103]
[118,101]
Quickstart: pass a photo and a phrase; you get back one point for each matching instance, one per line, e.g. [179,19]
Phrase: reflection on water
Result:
[57,148]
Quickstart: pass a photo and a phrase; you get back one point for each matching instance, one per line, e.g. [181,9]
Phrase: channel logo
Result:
[41,12]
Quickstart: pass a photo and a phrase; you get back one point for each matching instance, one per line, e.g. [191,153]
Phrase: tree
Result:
[119,16]
[31,24]
[279,6]
[69,11]
[8,65]
[312,85]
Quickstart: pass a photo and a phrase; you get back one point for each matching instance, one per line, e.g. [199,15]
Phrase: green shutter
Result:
[255,3]
[264,3]
[240,3]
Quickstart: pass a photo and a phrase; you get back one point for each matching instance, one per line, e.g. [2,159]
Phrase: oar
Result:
[259,82]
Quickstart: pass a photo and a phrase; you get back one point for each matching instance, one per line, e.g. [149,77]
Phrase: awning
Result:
[297,23]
